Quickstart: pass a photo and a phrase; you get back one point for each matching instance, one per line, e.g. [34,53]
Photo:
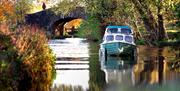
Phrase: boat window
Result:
[126,31]
[109,38]
[112,30]
[119,37]
[128,39]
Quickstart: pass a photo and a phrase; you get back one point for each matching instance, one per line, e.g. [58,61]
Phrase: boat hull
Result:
[118,48]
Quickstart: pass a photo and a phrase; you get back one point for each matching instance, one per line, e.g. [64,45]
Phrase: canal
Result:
[80,68]
[72,64]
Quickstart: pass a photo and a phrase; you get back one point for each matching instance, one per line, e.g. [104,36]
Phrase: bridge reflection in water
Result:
[152,71]
[72,64]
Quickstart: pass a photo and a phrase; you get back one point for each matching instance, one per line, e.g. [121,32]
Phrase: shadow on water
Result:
[97,76]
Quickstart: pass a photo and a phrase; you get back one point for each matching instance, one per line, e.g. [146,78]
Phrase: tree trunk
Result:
[137,33]
[148,19]
[161,33]
[161,30]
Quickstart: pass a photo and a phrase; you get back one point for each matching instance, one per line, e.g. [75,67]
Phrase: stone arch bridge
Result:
[52,22]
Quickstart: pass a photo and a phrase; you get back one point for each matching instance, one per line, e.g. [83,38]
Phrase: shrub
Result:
[6,43]
[34,52]
[7,58]
[32,64]
[140,42]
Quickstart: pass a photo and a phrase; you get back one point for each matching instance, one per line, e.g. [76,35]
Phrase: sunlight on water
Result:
[70,47]
[72,77]
[72,64]
[154,69]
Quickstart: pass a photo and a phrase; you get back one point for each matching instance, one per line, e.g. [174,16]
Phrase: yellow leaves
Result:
[2,17]
[74,23]
[6,10]
[32,54]
[31,44]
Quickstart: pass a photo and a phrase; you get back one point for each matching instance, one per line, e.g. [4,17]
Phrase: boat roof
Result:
[118,27]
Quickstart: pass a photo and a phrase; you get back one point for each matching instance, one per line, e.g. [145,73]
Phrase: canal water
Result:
[72,64]
[80,68]
[156,69]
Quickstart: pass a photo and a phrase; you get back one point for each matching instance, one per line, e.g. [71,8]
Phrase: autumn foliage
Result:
[33,47]
[7,10]
[26,56]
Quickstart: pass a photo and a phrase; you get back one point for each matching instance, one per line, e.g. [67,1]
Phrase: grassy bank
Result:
[173,39]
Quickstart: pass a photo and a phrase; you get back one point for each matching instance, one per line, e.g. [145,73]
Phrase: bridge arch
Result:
[50,21]
[61,27]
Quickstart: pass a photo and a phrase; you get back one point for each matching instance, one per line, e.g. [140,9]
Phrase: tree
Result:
[114,12]
[14,10]
[147,17]
[153,13]
[131,12]
[163,12]
[22,8]
[150,14]
[6,10]
[90,28]
[177,12]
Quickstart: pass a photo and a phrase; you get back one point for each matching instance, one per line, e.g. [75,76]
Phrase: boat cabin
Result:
[119,29]
[119,34]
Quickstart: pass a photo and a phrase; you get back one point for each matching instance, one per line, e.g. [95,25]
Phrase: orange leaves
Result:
[6,10]
[31,44]
[27,46]
[4,29]
[76,23]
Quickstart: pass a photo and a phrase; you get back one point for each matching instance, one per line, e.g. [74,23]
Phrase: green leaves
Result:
[177,13]
[90,28]
[22,7]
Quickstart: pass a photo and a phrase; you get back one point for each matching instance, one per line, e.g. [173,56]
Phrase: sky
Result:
[37,4]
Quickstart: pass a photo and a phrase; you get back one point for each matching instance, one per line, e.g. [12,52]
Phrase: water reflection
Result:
[117,72]
[156,69]
[147,73]
[67,88]
[115,68]
[72,64]
[96,75]
[74,78]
